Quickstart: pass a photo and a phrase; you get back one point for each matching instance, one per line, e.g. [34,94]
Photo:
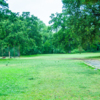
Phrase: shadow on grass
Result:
[92,57]
[85,58]
[12,90]
[3,94]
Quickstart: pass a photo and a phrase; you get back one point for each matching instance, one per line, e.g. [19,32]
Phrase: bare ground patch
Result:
[93,63]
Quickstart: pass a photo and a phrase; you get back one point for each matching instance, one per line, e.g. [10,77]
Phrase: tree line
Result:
[77,27]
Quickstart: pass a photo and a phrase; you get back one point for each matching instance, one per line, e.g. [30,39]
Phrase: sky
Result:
[39,8]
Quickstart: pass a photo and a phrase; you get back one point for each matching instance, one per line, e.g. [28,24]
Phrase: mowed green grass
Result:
[49,77]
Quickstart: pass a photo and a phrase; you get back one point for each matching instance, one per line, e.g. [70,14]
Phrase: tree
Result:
[83,20]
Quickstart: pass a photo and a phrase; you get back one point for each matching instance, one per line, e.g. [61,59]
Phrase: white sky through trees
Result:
[40,8]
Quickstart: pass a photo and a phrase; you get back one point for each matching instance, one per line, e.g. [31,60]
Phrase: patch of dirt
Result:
[73,58]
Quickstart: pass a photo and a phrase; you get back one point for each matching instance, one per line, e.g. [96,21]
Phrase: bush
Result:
[78,51]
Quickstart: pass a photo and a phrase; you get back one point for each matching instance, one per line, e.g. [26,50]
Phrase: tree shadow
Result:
[1,94]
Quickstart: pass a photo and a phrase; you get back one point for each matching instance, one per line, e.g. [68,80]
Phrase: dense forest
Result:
[76,29]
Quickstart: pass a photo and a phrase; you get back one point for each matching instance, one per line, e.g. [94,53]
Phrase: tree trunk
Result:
[2,50]
[19,51]
[14,51]
[69,48]
[80,49]
[9,52]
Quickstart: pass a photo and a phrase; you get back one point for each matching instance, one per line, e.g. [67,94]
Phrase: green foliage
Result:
[21,31]
[78,25]
[89,1]
[78,51]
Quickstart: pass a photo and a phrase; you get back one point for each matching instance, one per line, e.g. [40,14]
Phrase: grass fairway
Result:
[49,77]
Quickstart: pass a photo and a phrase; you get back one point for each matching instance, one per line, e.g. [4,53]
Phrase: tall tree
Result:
[83,20]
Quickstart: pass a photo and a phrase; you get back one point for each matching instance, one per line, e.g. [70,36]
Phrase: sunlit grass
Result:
[49,77]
